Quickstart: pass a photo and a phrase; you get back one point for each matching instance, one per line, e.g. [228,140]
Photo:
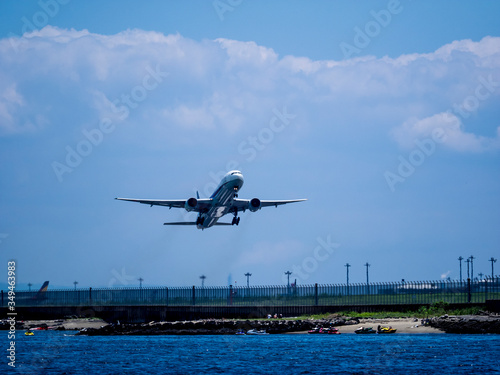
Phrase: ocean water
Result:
[62,353]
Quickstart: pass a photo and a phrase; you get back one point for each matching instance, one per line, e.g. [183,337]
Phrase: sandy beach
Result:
[407,325]
[402,326]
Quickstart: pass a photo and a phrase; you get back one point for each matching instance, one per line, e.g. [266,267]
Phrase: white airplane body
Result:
[223,201]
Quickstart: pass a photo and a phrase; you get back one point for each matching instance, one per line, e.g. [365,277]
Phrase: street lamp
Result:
[471,267]
[460,258]
[140,282]
[248,274]
[288,273]
[367,280]
[203,277]
[492,260]
[29,287]
[75,283]
[347,265]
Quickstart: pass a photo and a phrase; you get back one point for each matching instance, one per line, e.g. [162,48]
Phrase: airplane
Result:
[223,201]
[39,296]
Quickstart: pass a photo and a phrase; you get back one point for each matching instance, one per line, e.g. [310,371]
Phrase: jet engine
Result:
[191,204]
[254,205]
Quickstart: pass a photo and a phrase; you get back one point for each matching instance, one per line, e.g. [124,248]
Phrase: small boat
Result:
[327,331]
[29,333]
[386,330]
[315,330]
[365,330]
[330,331]
[255,332]
[240,332]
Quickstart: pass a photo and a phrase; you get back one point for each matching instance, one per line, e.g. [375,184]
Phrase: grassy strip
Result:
[436,309]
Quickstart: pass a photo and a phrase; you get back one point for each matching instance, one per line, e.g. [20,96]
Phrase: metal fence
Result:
[397,293]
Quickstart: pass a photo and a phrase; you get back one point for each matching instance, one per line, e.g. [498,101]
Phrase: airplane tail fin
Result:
[42,290]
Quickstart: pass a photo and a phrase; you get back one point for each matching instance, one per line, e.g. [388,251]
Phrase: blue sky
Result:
[388,123]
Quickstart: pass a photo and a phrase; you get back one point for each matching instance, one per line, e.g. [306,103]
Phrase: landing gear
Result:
[236,219]
[200,220]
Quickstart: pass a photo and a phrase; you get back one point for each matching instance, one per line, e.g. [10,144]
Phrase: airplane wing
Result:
[192,223]
[176,203]
[244,204]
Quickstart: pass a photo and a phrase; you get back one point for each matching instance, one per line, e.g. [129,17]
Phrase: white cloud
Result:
[11,101]
[234,86]
[455,137]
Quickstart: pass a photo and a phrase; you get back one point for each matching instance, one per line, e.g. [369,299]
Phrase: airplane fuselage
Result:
[223,197]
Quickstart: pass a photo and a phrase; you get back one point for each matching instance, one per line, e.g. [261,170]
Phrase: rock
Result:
[208,327]
[472,324]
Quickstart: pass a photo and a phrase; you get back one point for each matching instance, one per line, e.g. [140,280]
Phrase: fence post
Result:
[194,296]
[90,296]
[316,294]
[485,289]
[166,289]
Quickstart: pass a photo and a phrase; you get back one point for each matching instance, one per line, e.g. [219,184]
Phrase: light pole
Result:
[29,287]
[288,273]
[248,274]
[75,283]
[471,267]
[492,260]
[367,265]
[367,279]
[347,265]
[480,274]
[460,258]
[468,262]
[140,282]
[203,277]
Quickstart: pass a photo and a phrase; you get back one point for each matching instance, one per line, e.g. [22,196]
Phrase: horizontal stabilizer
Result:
[181,223]
[191,223]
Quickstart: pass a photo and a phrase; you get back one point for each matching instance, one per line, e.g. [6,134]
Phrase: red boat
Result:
[330,331]
[325,331]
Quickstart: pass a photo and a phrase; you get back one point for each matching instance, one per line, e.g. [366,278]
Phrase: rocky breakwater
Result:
[209,327]
[467,323]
